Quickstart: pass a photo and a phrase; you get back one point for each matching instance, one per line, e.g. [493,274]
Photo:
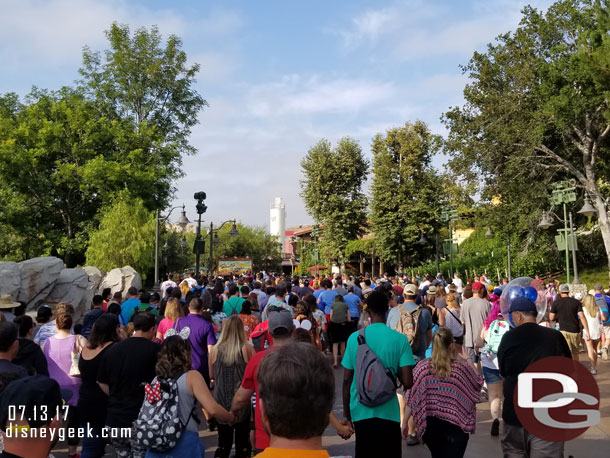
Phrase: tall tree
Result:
[65,154]
[332,191]
[149,83]
[405,192]
[126,236]
[537,108]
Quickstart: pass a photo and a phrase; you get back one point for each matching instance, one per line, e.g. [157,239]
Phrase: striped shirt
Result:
[452,399]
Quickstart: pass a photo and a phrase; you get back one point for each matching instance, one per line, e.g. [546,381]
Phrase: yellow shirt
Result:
[271,452]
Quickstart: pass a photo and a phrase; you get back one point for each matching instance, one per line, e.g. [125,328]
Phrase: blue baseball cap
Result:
[522,304]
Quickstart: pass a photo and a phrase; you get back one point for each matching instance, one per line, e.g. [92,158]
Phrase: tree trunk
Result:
[380,267]
[604,223]
[592,189]
[372,264]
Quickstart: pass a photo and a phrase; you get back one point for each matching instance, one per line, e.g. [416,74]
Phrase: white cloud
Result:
[42,35]
[415,29]
[294,94]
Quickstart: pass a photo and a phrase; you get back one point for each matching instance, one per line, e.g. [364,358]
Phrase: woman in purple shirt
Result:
[58,350]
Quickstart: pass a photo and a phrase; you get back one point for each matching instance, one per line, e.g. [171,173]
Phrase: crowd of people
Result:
[256,357]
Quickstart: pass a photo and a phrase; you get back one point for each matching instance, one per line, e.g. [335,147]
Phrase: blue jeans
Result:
[189,446]
[93,447]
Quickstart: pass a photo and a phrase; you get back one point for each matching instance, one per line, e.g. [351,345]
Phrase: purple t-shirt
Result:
[202,334]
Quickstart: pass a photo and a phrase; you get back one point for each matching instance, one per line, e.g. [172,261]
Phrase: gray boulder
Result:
[130,278]
[10,279]
[38,275]
[113,280]
[94,280]
[70,286]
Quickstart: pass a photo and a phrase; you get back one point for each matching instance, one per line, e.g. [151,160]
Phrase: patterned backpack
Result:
[496,331]
[158,427]
[407,324]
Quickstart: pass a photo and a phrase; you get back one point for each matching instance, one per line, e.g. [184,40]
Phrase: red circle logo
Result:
[557,399]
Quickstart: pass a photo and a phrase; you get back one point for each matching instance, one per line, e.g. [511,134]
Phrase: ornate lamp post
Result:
[183,221]
[564,192]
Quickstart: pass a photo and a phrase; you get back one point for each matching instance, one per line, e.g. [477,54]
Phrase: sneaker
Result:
[605,353]
[599,352]
[495,427]
[594,371]
[412,439]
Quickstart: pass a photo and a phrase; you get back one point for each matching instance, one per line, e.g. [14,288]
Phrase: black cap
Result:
[31,396]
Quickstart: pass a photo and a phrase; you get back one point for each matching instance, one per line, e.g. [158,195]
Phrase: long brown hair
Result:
[441,359]
[174,357]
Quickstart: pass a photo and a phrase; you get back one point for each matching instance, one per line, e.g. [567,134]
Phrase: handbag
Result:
[74,370]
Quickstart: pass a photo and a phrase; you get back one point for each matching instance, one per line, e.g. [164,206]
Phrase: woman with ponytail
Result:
[446,388]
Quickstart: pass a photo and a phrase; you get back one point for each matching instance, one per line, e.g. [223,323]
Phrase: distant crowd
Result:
[255,357]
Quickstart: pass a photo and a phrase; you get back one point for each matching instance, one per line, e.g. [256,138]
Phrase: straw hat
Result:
[6,302]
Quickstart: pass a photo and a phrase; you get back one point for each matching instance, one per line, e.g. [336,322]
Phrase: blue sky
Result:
[279,76]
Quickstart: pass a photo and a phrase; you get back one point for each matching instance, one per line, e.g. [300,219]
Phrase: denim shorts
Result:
[491,376]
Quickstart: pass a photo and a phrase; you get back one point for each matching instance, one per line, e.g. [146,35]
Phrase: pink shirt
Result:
[164,325]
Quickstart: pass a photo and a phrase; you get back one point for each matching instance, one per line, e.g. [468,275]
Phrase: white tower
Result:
[277,221]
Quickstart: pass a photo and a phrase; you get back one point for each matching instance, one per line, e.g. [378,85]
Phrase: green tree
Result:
[537,109]
[406,191]
[253,242]
[332,191]
[126,236]
[150,84]
[65,154]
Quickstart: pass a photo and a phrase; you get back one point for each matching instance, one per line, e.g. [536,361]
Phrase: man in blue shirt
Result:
[421,341]
[131,303]
[354,303]
[328,295]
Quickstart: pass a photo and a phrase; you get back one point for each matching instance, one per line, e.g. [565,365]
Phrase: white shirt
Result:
[458,282]
[167,284]
[191,282]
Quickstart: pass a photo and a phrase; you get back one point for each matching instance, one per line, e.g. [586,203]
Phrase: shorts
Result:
[491,376]
[606,333]
[573,340]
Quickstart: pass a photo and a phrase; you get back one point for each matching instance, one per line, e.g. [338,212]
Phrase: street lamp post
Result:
[450,216]
[314,236]
[214,239]
[564,192]
[489,234]
[183,221]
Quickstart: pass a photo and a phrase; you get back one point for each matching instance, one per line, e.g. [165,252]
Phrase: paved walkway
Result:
[595,443]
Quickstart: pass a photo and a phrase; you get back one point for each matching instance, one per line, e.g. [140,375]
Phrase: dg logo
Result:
[557,399]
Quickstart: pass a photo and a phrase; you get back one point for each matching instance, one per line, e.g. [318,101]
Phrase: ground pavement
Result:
[595,443]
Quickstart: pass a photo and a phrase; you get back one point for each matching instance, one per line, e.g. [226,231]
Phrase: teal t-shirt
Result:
[233,303]
[394,351]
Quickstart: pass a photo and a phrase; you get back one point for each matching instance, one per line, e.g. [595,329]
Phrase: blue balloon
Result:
[531,293]
[514,292]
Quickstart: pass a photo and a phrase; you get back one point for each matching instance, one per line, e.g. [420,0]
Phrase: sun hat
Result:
[6,302]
